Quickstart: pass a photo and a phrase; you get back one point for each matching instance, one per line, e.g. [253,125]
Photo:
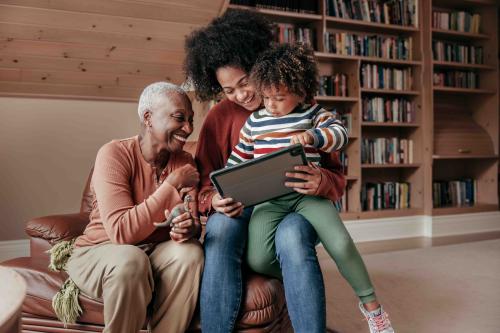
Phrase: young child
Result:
[286,76]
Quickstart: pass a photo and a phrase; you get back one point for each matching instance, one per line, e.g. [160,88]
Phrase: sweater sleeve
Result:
[124,221]
[329,133]
[208,158]
[243,151]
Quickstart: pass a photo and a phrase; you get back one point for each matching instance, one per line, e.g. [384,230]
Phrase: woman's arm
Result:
[124,221]
[208,158]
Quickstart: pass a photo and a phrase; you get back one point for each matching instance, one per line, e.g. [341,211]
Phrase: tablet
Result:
[259,179]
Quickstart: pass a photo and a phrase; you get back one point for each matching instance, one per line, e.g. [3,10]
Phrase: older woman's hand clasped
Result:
[184,227]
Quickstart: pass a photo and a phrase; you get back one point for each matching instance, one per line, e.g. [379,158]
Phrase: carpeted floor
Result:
[454,288]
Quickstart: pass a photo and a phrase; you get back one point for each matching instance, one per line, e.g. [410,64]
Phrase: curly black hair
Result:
[234,39]
[291,65]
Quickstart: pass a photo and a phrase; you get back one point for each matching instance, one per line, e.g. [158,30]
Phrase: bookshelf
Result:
[434,149]
[463,119]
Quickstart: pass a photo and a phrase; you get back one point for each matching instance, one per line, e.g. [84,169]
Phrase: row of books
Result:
[344,117]
[299,6]
[454,193]
[449,51]
[456,20]
[333,85]
[387,195]
[392,110]
[400,12]
[386,151]
[373,76]
[456,79]
[290,33]
[386,47]
[342,203]
[344,161]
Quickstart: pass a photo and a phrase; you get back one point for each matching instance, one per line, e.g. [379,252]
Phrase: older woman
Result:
[219,58]
[122,256]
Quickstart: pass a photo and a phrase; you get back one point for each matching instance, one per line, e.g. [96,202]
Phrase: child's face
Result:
[279,101]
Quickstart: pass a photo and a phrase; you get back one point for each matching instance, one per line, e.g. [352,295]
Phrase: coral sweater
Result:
[126,197]
[220,134]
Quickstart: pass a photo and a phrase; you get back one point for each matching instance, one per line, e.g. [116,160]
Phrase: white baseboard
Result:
[423,226]
[383,229]
[14,248]
[462,224]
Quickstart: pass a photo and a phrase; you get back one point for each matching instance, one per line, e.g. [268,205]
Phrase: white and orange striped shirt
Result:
[264,133]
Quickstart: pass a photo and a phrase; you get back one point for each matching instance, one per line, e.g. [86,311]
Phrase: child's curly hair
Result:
[235,39]
[291,65]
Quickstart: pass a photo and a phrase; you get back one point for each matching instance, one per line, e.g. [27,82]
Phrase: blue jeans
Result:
[221,287]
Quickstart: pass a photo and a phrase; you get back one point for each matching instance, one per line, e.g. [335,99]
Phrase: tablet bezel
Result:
[296,150]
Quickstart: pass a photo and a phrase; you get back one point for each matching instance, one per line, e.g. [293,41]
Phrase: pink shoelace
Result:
[381,322]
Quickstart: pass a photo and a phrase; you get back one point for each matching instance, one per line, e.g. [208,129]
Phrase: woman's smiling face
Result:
[171,122]
[237,87]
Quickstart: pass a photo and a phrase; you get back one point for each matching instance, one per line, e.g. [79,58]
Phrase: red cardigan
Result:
[218,136]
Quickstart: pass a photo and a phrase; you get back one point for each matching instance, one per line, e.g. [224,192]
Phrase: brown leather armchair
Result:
[263,309]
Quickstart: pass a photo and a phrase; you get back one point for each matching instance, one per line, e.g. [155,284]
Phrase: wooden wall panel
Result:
[194,12]
[95,49]
[12,31]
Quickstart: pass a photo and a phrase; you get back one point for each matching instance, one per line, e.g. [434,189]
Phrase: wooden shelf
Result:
[390,91]
[356,24]
[327,55]
[320,98]
[442,33]
[385,166]
[351,178]
[457,3]
[452,90]
[463,157]
[478,208]
[386,124]
[280,13]
[450,64]
[383,213]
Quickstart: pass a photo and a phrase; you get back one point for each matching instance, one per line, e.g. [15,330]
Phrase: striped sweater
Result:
[264,133]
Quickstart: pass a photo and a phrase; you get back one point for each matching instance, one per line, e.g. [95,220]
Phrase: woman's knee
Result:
[222,228]
[131,264]
[295,238]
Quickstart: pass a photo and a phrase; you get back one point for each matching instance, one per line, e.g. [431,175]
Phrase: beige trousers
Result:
[124,277]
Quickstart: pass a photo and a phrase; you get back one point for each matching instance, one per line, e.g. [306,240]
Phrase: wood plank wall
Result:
[95,49]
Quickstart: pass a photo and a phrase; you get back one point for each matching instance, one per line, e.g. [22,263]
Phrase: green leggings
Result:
[324,218]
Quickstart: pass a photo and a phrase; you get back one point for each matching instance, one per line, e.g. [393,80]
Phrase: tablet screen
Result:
[260,179]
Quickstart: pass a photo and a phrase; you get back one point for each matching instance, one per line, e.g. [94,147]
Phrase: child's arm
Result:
[243,151]
[329,134]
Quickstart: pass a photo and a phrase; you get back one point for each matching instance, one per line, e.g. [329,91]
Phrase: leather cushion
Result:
[264,301]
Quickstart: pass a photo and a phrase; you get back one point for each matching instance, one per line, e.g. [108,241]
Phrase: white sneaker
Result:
[378,320]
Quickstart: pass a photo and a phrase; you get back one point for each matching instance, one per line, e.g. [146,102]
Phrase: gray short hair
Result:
[152,93]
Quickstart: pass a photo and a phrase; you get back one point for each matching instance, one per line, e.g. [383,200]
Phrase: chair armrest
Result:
[56,228]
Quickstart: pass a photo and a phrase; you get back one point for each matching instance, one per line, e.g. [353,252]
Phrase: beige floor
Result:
[426,285]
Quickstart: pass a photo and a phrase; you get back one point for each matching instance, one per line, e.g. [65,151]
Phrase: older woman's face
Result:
[171,122]
[237,87]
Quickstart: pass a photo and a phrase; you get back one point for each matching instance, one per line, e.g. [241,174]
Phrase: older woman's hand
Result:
[185,227]
[311,177]
[227,206]
[185,176]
